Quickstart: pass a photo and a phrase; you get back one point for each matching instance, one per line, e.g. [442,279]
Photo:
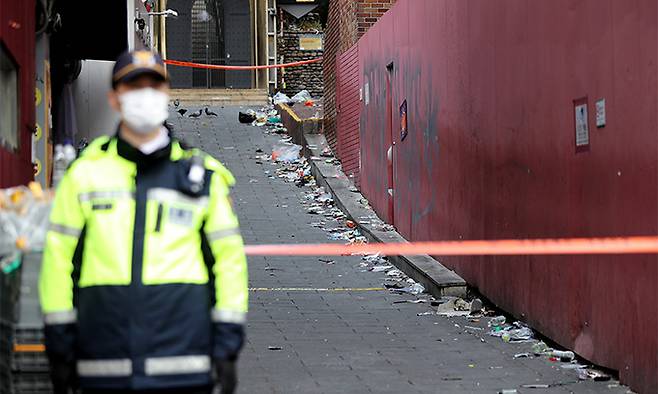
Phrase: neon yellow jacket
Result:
[144,276]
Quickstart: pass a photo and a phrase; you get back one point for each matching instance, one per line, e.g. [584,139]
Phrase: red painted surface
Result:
[349,111]
[17,35]
[491,154]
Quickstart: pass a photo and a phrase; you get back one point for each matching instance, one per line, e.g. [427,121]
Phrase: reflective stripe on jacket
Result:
[144,278]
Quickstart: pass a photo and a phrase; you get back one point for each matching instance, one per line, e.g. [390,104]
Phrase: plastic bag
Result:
[302,97]
[24,215]
[280,98]
[286,153]
[261,119]
[247,117]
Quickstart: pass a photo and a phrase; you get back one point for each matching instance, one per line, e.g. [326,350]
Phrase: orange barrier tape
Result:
[29,348]
[220,67]
[570,246]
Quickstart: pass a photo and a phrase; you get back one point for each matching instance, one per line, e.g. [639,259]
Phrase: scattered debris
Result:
[274,348]
[535,386]
[286,152]
[592,374]
[418,301]
[565,356]
[454,307]
[247,117]
[540,348]
[414,289]
[523,333]
[280,98]
[381,268]
[302,97]
[497,321]
[523,355]
[476,306]
[573,366]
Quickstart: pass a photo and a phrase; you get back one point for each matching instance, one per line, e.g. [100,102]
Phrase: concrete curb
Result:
[437,279]
[298,127]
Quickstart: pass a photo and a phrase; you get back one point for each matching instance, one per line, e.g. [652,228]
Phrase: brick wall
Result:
[309,77]
[369,12]
[348,20]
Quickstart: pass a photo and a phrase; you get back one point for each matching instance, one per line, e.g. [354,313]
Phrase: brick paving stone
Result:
[344,342]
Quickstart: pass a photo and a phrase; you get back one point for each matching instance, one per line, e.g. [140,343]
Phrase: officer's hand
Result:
[227,376]
[63,377]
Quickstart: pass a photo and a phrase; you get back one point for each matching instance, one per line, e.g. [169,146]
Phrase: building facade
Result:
[348,20]
[17,87]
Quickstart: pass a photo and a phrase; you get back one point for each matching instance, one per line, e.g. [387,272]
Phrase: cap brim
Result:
[135,73]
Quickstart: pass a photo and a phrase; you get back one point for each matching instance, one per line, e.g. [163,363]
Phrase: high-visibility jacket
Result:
[144,276]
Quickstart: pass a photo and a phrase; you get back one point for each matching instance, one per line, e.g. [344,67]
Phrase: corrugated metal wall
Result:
[17,35]
[348,111]
[491,153]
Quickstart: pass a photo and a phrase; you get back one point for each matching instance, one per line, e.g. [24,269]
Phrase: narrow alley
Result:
[321,325]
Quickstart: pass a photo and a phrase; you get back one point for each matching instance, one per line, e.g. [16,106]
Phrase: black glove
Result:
[63,377]
[227,376]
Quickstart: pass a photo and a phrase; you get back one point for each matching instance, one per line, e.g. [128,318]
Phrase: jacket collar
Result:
[129,152]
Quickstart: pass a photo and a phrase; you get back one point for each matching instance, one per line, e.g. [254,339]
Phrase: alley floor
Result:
[327,326]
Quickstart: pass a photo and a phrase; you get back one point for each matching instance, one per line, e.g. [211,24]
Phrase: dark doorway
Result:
[216,32]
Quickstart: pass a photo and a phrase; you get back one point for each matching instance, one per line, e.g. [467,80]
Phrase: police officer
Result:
[144,277]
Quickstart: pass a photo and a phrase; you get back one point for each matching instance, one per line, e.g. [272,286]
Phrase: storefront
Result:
[17,98]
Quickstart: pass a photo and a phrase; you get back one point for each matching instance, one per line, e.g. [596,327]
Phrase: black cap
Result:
[131,65]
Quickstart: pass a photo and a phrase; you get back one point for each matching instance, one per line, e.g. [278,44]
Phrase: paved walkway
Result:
[354,341]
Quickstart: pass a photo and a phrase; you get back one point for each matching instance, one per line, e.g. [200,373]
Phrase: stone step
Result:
[221,96]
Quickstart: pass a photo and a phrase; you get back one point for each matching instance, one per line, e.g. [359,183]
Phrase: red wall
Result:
[16,167]
[491,154]
[348,111]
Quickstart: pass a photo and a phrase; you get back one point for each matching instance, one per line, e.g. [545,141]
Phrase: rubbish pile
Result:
[266,116]
[515,332]
[292,167]
[302,97]
[24,214]
[395,280]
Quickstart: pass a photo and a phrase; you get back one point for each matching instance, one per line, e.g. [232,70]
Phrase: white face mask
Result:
[145,109]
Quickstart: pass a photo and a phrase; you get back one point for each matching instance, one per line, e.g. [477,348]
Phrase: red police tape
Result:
[220,67]
[568,246]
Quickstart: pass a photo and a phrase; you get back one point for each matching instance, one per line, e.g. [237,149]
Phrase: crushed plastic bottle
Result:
[516,335]
[541,348]
[563,355]
[59,164]
[497,321]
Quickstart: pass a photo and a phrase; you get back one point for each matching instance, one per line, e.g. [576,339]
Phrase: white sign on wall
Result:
[600,113]
[582,128]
